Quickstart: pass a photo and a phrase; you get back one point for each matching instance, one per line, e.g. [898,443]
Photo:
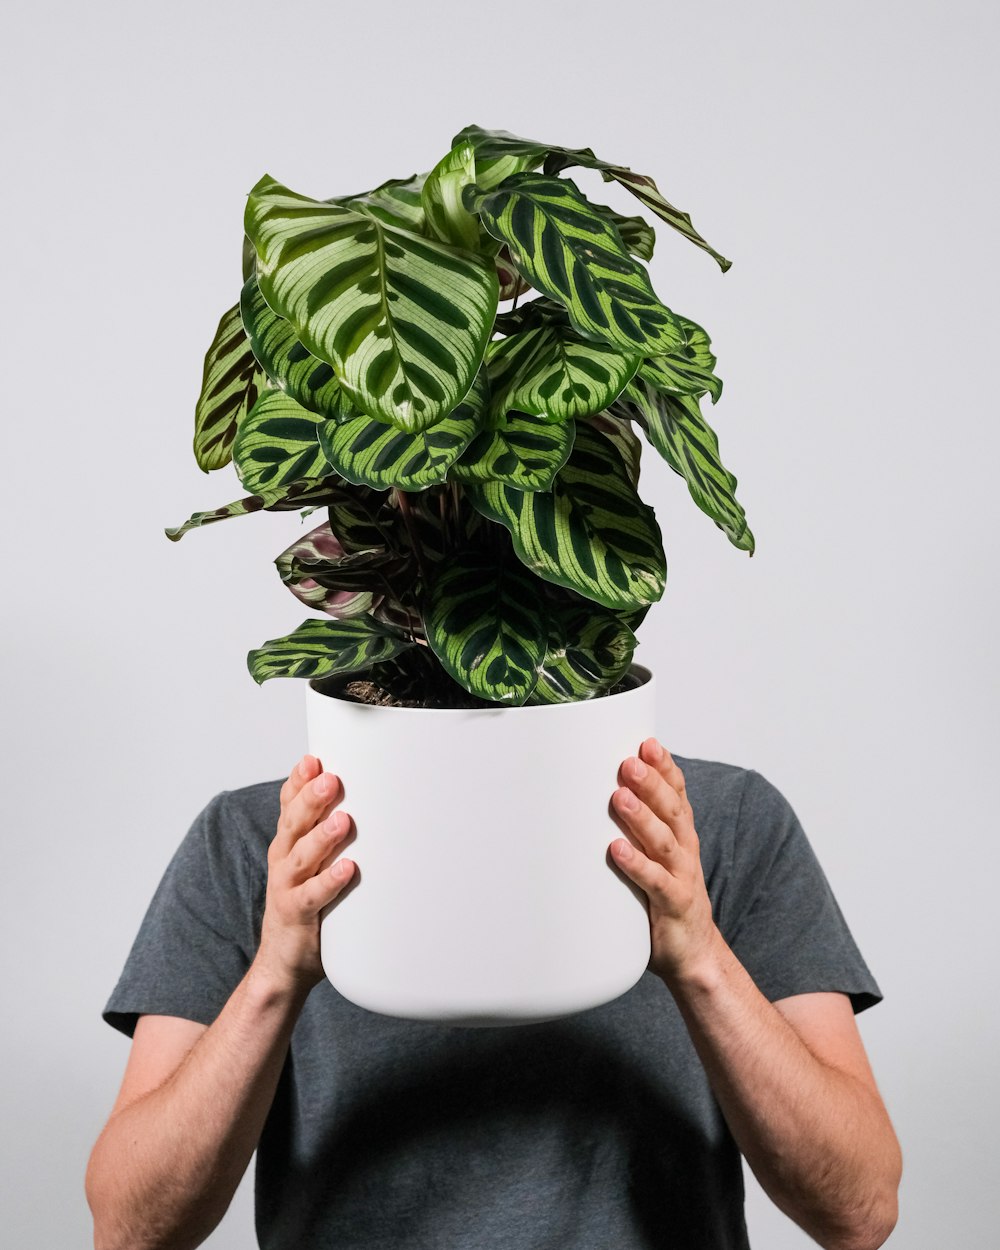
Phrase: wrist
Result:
[272,984]
[704,969]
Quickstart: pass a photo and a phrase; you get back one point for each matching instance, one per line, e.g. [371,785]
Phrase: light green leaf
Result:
[676,428]
[486,623]
[441,196]
[587,652]
[278,443]
[573,253]
[688,369]
[372,454]
[617,429]
[231,381]
[395,202]
[550,370]
[325,648]
[404,320]
[526,452]
[591,532]
[284,499]
[300,374]
[493,146]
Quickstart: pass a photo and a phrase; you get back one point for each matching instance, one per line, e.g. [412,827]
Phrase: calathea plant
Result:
[483,537]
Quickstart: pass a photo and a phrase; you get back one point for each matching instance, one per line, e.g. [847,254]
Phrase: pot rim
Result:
[645,675]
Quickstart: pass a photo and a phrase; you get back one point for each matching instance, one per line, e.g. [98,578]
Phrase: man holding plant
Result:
[413,1134]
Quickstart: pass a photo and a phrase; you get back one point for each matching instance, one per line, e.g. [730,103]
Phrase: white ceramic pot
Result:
[485,893]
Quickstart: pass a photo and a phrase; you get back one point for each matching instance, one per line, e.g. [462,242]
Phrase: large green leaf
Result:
[362,519]
[526,452]
[550,370]
[493,146]
[324,648]
[588,650]
[688,369]
[381,572]
[449,220]
[486,623]
[231,381]
[404,320]
[284,499]
[297,371]
[617,429]
[396,202]
[676,428]
[568,249]
[372,454]
[320,547]
[591,532]
[278,443]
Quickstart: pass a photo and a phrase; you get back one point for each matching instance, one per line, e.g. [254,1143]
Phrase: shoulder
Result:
[249,815]
[715,788]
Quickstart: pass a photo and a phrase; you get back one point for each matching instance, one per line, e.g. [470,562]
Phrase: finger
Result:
[314,801]
[657,755]
[653,835]
[303,771]
[674,809]
[647,874]
[316,849]
[319,891]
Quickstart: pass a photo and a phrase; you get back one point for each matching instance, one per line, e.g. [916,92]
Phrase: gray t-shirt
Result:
[595,1131]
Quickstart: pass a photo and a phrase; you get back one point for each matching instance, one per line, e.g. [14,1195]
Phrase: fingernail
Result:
[656,751]
[628,800]
[622,848]
[638,769]
[324,784]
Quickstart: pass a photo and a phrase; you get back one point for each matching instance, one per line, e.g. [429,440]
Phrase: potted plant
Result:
[484,557]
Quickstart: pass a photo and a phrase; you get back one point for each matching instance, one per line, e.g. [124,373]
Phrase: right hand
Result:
[303,875]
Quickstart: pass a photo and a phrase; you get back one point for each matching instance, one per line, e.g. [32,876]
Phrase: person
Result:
[622,1126]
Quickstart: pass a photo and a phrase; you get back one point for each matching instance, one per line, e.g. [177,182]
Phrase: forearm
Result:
[164,1170]
[818,1142]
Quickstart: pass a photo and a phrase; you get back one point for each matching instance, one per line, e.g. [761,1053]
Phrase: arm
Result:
[194,1099]
[792,1078]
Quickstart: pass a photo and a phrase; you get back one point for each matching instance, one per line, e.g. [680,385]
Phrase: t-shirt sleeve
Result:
[197,938]
[782,920]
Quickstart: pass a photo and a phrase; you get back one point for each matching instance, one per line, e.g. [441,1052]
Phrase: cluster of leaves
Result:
[478,468]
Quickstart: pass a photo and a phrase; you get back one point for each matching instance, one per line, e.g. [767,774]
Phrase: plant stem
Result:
[411,529]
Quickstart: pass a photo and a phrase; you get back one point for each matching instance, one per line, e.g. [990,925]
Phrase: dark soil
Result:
[368,692]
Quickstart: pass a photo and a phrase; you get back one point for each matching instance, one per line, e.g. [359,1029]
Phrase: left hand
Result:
[660,854]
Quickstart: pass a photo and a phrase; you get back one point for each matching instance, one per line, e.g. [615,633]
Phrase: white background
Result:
[843,155]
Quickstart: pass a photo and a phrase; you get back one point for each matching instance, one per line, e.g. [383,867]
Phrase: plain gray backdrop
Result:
[843,155]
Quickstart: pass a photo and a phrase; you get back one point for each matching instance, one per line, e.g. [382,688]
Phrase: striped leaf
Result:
[448,219]
[591,532]
[486,623]
[278,443]
[617,429]
[231,381]
[284,499]
[395,202]
[587,652]
[569,250]
[526,452]
[320,545]
[404,320]
[495,145]
[381,572]
[310,381]
[637,234]
[372,454]
[325,648]
[512,284]
[364,520]
[550,370]
[688,369]
[675,427]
